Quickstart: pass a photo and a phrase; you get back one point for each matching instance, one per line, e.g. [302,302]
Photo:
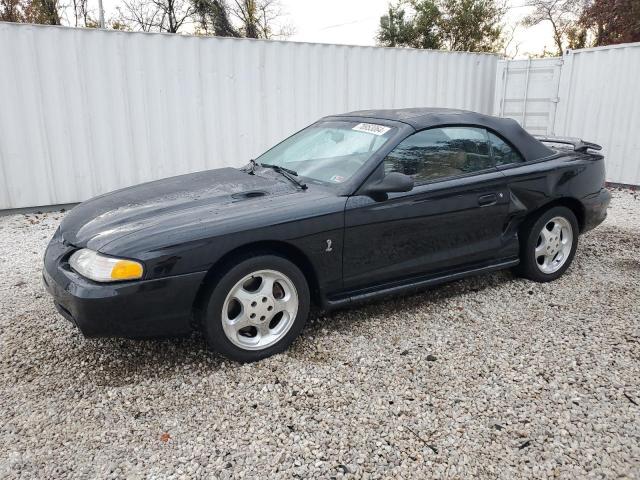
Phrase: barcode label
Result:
[371,128]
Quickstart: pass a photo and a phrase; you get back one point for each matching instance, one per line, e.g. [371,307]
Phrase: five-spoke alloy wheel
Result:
[554,245]
[548,244]
[260,309]
[256,307]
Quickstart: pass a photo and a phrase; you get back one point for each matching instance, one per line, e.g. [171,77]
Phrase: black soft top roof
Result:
[421,118]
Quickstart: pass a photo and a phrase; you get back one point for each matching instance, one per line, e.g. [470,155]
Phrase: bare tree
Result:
[156,15]
[247,12]
[259,18]
[11,11]
[213,18]
[510,48]
[563,16]
[142,16]
[173,14]
[241,18]
[272,13]
[81,13]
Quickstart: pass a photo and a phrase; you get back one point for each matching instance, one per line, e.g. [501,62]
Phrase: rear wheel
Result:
[548,245]
[257,308]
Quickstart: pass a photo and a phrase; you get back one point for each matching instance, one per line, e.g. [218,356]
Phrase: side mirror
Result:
[392,182]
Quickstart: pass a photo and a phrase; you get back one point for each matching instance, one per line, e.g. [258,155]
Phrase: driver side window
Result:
[438,153]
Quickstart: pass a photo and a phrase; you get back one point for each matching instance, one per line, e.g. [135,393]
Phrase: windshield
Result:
[329,152]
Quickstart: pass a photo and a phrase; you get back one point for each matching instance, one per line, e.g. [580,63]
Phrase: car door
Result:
[452,219]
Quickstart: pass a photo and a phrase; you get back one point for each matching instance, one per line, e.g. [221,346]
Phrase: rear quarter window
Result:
[503,152]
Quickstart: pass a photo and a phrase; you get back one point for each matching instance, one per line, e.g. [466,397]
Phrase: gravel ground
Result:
[491,376]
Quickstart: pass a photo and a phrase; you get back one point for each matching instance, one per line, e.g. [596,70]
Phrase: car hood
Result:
[185,198]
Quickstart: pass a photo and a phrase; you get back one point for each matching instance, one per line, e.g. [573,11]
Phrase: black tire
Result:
[211,318]
[529,233]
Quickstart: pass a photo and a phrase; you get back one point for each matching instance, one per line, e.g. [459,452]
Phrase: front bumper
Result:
[595,209]
[145,308]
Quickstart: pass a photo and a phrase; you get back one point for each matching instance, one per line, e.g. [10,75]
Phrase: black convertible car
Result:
[353,207]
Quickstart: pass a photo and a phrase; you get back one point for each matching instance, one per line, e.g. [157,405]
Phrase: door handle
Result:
[487,200]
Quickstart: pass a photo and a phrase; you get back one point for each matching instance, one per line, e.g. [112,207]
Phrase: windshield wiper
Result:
[287,173]
[279,169]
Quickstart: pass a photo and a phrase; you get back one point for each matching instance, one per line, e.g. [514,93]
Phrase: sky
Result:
[355,22]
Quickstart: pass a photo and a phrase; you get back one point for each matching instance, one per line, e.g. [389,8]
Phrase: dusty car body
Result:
[353,236]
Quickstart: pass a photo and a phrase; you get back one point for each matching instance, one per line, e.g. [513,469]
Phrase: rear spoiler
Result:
[579,145]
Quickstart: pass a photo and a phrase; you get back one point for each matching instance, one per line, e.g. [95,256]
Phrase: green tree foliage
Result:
[395,30]
[577,37]
[464,25]
[427,24]
[472,25]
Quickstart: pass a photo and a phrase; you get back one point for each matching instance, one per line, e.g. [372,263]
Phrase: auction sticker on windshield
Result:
[371,128]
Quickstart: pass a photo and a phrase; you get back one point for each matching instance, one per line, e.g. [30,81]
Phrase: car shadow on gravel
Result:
[121,362]
[392,305]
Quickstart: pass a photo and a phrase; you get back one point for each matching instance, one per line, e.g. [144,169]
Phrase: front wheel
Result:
[257,308]
[548,245]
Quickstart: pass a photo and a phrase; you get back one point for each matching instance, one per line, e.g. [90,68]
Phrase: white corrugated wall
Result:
[600,102]
[593,94]
[527,91]
[85,111]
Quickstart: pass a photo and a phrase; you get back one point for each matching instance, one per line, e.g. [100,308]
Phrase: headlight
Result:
[101,268]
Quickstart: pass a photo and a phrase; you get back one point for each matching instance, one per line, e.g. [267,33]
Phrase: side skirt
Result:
[411,286]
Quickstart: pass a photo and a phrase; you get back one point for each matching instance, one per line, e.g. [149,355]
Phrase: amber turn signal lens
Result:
[126,270]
